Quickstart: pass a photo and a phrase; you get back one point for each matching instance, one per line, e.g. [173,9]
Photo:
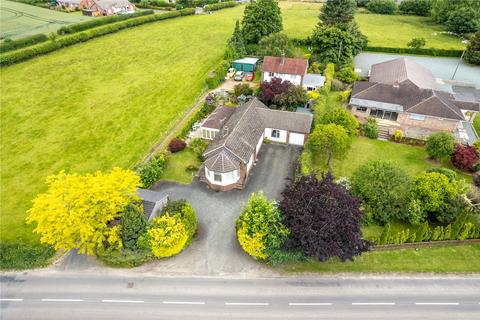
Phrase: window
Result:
[418,117]
[271,74]
[217,177]
[208,134]
[275,133]
[362,109]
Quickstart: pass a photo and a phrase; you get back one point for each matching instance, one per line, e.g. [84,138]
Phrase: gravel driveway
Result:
[215,250]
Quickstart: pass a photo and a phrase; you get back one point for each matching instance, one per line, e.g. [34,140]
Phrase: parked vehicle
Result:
[230,73]
[249,76]
[239,76]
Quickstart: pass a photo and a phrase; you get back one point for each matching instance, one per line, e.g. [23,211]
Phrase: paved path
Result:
[442,68]
[113,296]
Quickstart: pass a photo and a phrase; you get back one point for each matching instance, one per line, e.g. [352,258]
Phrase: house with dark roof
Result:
[234,150]
[153,202]
[402,95]
[106,7]
[215,121]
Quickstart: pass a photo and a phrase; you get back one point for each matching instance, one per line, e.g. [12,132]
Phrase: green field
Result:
[20,20]
[435,259]
[381,30]
[99,104]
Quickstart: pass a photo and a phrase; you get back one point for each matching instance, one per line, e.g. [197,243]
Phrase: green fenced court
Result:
[19,20]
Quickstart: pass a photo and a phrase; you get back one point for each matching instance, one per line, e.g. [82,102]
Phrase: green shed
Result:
[245,64]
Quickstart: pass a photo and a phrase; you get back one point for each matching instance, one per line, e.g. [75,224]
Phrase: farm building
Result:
[245,64]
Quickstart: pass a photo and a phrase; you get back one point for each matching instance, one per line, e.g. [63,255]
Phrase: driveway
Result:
[442,68]
[215,250]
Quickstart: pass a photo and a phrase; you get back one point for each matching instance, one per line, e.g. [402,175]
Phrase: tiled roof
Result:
[222,162]
[289,66]
[216,119]
[286,120]
[400,70]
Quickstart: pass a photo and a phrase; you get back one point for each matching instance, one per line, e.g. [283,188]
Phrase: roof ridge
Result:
[446,104]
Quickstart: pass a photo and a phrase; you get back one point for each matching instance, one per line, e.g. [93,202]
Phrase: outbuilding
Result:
[245,64]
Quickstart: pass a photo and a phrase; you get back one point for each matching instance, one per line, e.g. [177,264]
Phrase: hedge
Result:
[9,45]
[217,76]
[85,25]
[205,110]
[219,6]
[329,73]
[420,51]
[44,48]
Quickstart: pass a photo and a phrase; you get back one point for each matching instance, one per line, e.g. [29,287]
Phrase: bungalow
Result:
[403,95]
[106,7]
[232,153]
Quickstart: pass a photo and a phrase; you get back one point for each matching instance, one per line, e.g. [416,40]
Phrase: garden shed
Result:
[245,64]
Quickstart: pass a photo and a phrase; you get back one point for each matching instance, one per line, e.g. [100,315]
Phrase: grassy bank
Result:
[436,259]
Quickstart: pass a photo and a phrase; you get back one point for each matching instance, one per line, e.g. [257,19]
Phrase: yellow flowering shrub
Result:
[167,236]
[252,245]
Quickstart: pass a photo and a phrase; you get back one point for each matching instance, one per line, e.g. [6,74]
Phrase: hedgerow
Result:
[9,45]
[219,6]
[420,51]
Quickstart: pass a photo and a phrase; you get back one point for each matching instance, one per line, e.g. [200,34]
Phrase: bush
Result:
[476,179]
[205,110]
[242,88]
[343,118]
[464,157]
[440,145]
[371,129]
[463,20]
[329,73]
[9,45]
[134,224]
[450,174]
[89,24]
[198,146]
[269,90]
[151,171]
[382,6]
[336,85]
[416,43]
[176,145]
[124,258]
[295,97]
[217,76]
[472,54]
[219,6]
[185,211]
[416,7]
[420,51]
[347,74]
[24,54]
[384,189]
[398,136]
[24,256]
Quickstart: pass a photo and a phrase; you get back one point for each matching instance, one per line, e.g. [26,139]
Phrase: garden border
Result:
[410,245]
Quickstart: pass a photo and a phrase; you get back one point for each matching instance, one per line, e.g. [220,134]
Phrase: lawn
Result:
[20,20]
[177,164]
[299,19]
[99,104]
[435,259]
[412,159]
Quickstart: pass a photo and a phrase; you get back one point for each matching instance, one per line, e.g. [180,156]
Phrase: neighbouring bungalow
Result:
[245,64]
[293,70]
[106,7]
[402,95]
[153,202]
[234,149]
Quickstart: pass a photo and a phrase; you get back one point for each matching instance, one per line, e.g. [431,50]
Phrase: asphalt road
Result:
[100,296]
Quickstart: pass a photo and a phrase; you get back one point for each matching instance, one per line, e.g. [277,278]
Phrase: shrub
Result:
[416,43]
[217,76]
[476,179]
[124,258]
[440,145]
[134,224]
[398,136]
[342,117]
[329,73]
[336,85]
[269,90]
[371,129]
[25,256]
[384,189]
[347,74]
[176,145]
[450,174]
[295,97]
[464,157]
[185,211]
[259,228]
[165,237]
[204,110]
[242,88]
[463,20]
[416,7]
[151,171]
[472,54]
[198,146]
[219,6]
[100,21]
[382,6]
[24,54]
[9,45]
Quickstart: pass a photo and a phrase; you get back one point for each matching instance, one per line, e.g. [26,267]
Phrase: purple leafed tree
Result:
[323,219]
[269,90]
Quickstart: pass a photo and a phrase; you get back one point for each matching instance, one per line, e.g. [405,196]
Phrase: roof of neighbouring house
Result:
[218,117]
[108,4]
[313,80]
[247,61]
[239,136]
[295,66]
[400,70]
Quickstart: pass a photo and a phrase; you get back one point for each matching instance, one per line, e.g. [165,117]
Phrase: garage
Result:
[245,64]
[296,138]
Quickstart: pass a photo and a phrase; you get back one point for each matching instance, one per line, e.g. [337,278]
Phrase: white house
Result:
[287,69]
[233,151]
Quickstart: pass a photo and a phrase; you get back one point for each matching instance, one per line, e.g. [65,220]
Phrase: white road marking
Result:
[246,303]
[62,300]
[437,303]
[184,302]
[310,303]
[124,301]
[11,300]
[373,303]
